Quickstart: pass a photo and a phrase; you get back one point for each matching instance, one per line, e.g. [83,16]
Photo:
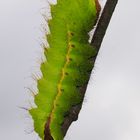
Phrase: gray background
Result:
[111,109]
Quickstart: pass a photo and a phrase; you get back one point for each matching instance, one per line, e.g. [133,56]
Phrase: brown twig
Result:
[96,42]
[103,23]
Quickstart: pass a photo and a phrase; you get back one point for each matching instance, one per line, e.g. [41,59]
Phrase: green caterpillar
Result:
[67,67]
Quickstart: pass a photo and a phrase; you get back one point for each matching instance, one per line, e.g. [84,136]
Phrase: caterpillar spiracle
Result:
[67,67]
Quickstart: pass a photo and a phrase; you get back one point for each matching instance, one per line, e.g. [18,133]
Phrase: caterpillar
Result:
[67,67]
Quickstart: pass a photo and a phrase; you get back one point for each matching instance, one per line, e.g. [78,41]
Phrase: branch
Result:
[103,23]
[96,42]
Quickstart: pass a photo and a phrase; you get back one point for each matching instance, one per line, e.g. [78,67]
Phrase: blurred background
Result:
[111,110]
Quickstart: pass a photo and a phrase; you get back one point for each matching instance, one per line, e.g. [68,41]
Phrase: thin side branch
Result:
[103,23]
[96,42]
